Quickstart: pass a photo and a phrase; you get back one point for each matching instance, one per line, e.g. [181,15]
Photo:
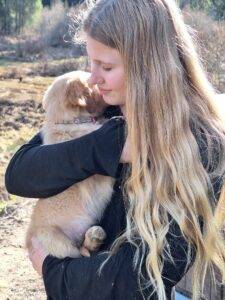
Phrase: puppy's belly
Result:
[76,228]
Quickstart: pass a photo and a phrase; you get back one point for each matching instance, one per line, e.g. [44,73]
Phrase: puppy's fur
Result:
[64,221]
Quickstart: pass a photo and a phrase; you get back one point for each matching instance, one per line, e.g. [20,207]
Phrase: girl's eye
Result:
[107,69]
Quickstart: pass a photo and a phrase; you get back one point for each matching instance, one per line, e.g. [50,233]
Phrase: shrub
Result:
[49,68]
[211,37]
[51,31]
[53,26]
[28,46]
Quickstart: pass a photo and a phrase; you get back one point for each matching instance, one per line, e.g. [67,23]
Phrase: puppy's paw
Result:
[84,252]
[94,237]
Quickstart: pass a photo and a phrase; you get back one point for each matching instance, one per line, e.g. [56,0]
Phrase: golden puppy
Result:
[63,222]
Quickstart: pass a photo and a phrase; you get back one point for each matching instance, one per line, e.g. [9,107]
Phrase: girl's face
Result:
[107,71]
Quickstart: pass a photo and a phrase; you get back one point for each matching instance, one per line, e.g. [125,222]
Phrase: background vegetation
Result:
[38,31]
[215,8]
[16,14]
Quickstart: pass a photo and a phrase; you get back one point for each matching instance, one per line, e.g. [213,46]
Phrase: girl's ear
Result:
[76,93]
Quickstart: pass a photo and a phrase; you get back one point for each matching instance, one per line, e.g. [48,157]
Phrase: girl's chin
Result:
[111,101]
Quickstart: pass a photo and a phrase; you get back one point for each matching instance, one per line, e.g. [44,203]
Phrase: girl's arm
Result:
[40,171]
[79,279]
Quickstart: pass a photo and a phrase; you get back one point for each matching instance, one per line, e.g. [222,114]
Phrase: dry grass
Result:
[210,36]
[31,88]
[21,116]
[46,68]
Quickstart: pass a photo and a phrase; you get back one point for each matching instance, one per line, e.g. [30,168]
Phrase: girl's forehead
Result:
[102,53]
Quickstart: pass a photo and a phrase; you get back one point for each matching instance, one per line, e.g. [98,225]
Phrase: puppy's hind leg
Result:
[56,242]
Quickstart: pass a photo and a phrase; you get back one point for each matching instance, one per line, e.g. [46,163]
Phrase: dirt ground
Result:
[18,280]
[21,116]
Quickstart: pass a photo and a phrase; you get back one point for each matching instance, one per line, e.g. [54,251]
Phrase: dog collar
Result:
[79,120]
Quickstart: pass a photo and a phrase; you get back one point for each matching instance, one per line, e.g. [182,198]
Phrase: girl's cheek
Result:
[115,80]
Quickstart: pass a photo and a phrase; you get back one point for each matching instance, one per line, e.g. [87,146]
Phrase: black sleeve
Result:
[76,279]
[41,171]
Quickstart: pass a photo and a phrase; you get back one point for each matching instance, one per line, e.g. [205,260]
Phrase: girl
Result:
[161,221]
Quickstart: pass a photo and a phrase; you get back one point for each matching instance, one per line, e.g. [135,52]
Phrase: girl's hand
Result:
[37,254]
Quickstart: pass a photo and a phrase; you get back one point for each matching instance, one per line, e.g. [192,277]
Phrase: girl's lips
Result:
[103,92]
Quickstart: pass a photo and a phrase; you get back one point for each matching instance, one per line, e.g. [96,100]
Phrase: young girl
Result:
[160,219]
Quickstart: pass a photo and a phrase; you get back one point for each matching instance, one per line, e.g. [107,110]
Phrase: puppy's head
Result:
[70,95]
[76,93]
[80,93]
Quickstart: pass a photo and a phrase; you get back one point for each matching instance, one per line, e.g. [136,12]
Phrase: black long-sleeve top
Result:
[38,170]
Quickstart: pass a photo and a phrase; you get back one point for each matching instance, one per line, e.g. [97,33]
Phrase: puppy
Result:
[63,223]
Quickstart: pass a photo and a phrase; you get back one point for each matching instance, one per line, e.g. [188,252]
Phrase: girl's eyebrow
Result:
[103,62]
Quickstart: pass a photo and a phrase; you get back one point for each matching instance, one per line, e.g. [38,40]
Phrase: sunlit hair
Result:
[169,105]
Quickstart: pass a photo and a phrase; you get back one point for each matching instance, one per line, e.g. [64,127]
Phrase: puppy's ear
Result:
[47,98]
[76,93]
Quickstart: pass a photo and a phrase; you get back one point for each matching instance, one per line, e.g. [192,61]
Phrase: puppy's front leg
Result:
[94,238]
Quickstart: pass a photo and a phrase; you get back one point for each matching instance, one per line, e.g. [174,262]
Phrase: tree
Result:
[46,2]
[69,2]
[15,14]
[215,8]
[5,17]
[74,2]
[201,4]
[184,3]
[218,7]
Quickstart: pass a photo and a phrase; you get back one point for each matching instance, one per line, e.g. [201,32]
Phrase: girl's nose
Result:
[95,79]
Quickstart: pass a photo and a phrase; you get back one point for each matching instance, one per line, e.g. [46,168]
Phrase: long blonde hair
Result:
[169,107]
